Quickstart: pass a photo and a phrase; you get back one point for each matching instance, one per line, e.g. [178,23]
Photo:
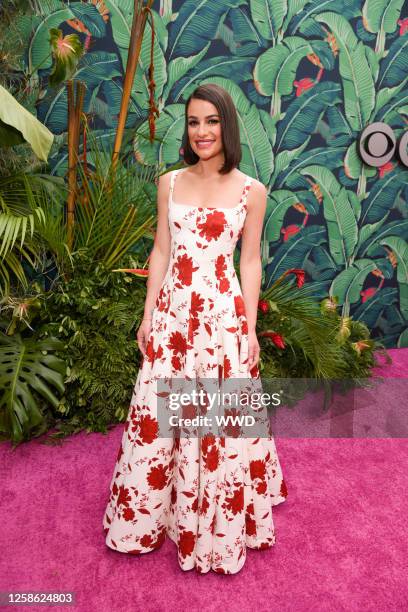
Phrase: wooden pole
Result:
[136,38]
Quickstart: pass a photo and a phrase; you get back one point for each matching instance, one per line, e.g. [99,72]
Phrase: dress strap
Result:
[244,195]
[173,178]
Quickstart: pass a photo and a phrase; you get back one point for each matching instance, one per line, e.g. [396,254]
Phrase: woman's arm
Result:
[250,264]
[160,253]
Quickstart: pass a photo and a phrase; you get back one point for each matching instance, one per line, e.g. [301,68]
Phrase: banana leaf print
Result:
[306,77]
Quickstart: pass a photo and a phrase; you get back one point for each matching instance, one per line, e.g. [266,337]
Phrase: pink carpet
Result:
[342,539]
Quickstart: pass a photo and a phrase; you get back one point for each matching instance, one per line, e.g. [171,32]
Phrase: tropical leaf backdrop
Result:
[306,78]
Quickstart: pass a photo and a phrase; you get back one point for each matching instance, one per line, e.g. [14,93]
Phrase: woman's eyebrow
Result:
[207,117]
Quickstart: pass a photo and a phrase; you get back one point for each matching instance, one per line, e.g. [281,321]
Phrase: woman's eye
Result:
[210,121]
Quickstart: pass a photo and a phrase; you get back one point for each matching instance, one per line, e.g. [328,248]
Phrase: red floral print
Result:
[211,495]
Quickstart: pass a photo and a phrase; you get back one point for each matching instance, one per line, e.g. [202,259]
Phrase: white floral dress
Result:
[212,496]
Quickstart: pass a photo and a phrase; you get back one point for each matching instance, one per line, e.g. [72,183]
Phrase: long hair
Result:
[229,126]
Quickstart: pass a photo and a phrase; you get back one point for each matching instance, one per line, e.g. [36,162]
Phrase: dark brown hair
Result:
[229,126]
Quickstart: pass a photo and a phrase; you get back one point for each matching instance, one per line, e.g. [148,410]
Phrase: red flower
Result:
[123,497]
[403,23]
[213,226]
[261,487]
[220,267]
[223,285]
[368,293]
[146,541]
[148,429]
[257,469]
[128,514]
[289,231]
[385,168]
[283,489]
[263,306]
[186,543]
[204,506]
[196,304]
[184,268]
[303,85]
[300,275]
[178,343]
[276,338]
[189,411]
[236,502]
[211,459]
[157,477]
[207,442]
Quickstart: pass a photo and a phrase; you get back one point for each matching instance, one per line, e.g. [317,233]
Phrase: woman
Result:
[211,494]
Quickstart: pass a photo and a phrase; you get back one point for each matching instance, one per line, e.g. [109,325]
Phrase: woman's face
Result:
[204,128]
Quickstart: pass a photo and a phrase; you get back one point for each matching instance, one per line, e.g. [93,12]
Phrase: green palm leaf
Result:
[303,113]
[268,16]
[113,213]
[312,333]
[338,212]
[275,69]
[400,249]
[393,68]
[381,15]
[358,83]
[348,284]
[370,311]
[23,200]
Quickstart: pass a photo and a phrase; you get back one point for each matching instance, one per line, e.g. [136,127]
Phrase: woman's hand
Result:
[253,350]
[143,334]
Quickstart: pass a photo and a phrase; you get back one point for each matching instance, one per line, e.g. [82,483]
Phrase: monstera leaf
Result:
[28,368]
[17,125]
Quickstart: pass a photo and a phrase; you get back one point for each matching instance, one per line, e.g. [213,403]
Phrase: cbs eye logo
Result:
[377,145]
